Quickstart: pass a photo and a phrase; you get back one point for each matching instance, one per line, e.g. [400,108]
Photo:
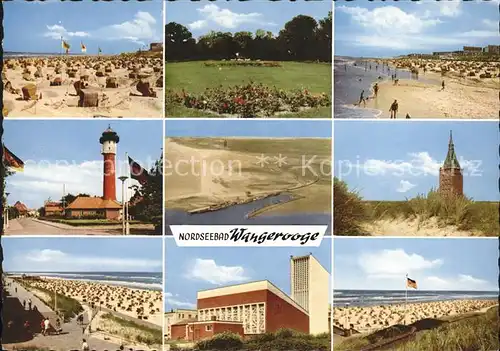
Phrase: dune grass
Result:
[281,340]
[351,211]
[477,333]
[195,77]
[147,335]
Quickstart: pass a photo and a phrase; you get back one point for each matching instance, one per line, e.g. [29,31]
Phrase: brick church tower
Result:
[451,181]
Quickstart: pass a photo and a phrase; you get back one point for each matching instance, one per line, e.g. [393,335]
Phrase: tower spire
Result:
[451,160]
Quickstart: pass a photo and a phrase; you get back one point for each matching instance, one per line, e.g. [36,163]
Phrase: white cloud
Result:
[479,34]
[450,8]
[394,264]
[418,164]
[45,260]
[405,186]
[140,29]
[225,18]
[459,282]
[171,300]
[57,31]
[490,24]
[196,25]
[387,19]
[209,271]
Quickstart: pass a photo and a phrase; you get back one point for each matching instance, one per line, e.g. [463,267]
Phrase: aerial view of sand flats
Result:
[368,319]
[145,305]
[440,88]
[227,172]
[127,85]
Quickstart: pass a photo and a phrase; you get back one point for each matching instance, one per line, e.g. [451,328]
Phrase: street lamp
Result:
[123,179]
[7,208]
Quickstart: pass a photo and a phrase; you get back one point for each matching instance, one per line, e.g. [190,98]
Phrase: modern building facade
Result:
[310,288]
[260,307]
[451,181]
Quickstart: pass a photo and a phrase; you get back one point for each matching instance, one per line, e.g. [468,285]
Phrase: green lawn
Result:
[195,77]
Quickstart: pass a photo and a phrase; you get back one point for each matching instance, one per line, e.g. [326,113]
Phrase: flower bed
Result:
[242,63]
[251,100]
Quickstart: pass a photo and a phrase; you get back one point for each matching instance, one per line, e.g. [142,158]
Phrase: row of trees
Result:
[302,39]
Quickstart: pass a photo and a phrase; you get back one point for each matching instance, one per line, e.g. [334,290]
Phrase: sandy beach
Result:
[136,303]
[125,85]
[372,318]
[203,173]
[471,90]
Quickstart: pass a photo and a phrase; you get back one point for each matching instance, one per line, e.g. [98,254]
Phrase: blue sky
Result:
[235,16]
[385,29]
[82,254]
[436,264]
[394,161]
[68,152]
[189,269]
[115,26]
[249,128]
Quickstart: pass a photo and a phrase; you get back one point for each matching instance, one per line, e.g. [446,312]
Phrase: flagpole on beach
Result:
[127,225]
[60,49]
[406,296]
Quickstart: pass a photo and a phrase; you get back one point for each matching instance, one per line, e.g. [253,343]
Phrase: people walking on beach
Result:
[362,98]
[394,109]
[16,289]
[42,326]
[29,304]
[24,304]
[85,346]
[375,89]
[46,326]
[442,85]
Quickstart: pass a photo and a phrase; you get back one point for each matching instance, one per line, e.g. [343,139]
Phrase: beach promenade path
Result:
[69,339]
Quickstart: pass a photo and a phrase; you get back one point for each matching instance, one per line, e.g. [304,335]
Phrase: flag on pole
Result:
[66,46]
[137,172]
[84,48]
[12,161]
[99,50]
[410,283]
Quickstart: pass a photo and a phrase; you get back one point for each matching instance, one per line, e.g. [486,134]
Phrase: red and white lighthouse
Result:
[109,139]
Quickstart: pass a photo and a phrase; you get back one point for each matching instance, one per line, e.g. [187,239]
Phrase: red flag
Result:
[137,172]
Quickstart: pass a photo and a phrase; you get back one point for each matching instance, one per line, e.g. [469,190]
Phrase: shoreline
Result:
[470,89]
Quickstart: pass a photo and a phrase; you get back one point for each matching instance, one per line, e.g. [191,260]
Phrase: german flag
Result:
[12,161]
[65,45]
[410,283]
[137,172]
[84,48]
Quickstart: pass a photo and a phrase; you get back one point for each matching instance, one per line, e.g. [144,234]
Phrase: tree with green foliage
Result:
[147,201]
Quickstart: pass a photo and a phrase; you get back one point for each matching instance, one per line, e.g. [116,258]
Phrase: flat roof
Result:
[248,287]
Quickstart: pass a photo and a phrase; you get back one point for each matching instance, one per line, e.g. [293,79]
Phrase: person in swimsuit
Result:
[375,89]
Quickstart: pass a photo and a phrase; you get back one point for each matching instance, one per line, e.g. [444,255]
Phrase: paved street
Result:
[30,226]
[69,339]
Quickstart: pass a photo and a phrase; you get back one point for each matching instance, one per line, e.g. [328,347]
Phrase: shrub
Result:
[222,341]
[349,210]
[250,100]
[242,63]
